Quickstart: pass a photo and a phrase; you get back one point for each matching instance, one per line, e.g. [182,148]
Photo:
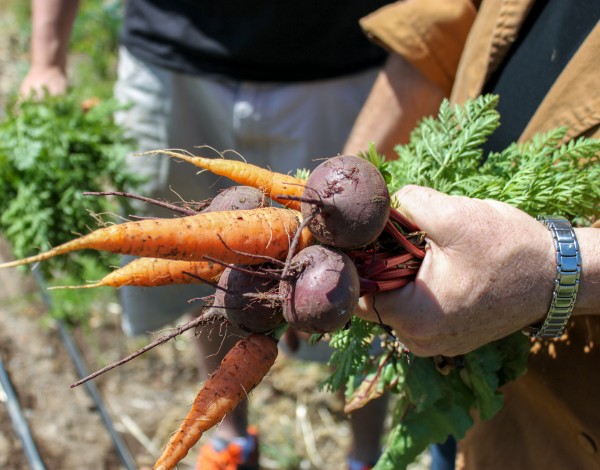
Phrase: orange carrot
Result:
[242,369]
[273,183]
[240,237]
[153,272]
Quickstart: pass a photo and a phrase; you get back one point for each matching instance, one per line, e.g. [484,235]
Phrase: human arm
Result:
[488,271]
[400,97]
[52,23]
[425,39]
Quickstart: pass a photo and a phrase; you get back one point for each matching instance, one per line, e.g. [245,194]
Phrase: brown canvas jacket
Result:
[458,46]
[551,417]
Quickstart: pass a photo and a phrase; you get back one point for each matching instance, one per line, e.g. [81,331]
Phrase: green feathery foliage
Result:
[536,176]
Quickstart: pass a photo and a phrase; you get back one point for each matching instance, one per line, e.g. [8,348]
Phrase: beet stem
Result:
[398,217]
[402,240]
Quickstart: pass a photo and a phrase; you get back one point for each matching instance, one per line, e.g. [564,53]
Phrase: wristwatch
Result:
[566,284]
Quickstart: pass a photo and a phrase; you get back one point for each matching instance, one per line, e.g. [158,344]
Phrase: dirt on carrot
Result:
[272,183]
[241,237]
[242,369]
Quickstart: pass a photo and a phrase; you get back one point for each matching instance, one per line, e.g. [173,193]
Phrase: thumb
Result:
[429,209]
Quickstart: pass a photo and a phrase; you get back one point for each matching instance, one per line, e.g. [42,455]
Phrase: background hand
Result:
[52,79]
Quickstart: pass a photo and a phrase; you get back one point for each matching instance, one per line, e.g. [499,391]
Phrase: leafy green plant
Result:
[51,151]
[436,396]
[536,176]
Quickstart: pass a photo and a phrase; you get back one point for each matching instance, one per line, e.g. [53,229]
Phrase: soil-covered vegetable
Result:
[242,236]
[237,198]
[349,201]
[323,295]
[247,300]
[242,369]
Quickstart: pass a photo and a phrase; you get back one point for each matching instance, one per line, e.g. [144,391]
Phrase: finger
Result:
[389,308]
[429,209]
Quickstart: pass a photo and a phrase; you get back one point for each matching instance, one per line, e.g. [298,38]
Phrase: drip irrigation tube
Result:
[19,422]
[82,370]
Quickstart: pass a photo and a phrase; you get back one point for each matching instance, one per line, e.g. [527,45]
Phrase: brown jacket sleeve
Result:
[430,34]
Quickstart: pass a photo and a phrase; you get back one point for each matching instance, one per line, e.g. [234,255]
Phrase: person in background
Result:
[280,83]
[541,58]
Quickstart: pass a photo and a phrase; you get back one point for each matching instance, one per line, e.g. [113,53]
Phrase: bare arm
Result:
[52,23]
[488,271]
[400,97]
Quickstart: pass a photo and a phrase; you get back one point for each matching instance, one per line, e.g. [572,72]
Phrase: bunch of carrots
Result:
[316,231]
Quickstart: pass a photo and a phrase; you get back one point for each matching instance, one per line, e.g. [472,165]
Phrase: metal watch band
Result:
[566,284]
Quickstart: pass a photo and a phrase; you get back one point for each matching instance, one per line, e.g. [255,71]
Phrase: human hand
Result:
[51,26]
[488,271]
[42,79]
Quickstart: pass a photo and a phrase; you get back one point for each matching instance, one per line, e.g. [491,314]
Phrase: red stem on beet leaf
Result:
[382,268]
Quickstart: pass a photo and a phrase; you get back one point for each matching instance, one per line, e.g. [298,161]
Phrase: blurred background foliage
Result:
[54,149]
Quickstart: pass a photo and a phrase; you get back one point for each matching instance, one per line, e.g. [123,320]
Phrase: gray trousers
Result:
[282,126]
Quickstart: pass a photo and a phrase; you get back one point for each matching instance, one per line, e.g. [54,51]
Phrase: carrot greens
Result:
[50,152]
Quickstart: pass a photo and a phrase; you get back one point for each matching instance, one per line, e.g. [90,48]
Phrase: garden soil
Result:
[300,426]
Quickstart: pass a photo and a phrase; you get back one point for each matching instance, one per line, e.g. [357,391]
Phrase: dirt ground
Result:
[146,398]
[301,427]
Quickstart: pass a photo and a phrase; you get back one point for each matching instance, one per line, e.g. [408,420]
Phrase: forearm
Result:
[400,97]
[52,23]
[588,296]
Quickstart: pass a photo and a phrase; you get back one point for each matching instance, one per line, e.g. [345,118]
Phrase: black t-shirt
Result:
[255,40]
[550,36]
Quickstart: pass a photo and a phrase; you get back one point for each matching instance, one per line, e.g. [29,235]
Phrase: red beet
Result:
[350,200]
[237,198]
[242,302]
[324,293]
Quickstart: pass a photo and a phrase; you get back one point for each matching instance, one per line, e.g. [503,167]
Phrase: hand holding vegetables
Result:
[488,271]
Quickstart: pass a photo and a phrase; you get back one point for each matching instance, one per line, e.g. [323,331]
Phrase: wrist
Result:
[567,256]
[588,299]
[52,23]
[48,51]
